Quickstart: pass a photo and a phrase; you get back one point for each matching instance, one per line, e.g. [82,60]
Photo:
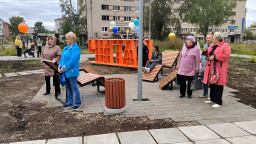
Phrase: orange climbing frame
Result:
[105,49]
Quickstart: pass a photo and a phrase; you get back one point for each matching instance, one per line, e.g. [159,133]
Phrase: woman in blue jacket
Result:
[69,65]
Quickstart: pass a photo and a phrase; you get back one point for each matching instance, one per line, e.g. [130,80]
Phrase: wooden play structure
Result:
[116,52]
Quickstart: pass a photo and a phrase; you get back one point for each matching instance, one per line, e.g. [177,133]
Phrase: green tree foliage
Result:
[253,25]
[39,28]
[206,13]
[14,22]
[76,21]
[249,35]
[162,19]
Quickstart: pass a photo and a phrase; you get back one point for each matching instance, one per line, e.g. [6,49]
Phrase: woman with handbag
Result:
[216,68]
[51,52]
[188,65]
[69,66]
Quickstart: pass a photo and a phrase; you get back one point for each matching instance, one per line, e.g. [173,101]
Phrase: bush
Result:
[176,44]
[246,49]
[8,52]
[253,59]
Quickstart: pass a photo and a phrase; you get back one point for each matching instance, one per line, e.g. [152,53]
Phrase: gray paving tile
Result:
[227,130]
[217,141]
[199,133]
[170,135]
[182,119]
[249,126]
[136,137]
[242,140]
[159,117]
[23,73]
[207,122]
[185,143]
[31,142]
[10,74]
[102,139]
[0,75]
[70,140]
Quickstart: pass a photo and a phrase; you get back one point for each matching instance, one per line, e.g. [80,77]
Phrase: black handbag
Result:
[196,83]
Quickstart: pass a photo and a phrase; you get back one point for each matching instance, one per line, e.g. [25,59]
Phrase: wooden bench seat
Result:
[152,75]
[163,84]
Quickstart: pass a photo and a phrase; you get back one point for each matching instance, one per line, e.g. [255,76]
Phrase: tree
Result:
[76,21]
[162,19]
[249,35]
[66,27]
[14,22]
[253,25]
[206,13]
[39,28]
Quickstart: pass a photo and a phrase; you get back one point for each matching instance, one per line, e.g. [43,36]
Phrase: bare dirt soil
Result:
[22,119]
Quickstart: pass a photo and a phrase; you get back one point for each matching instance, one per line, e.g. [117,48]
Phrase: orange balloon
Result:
[23,28]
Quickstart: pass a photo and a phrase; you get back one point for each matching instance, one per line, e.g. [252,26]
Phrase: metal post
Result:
[140,52]
[150,19]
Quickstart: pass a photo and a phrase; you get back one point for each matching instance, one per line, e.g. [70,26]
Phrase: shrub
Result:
[246,49]
[8,52]
[176,44]
[253,59]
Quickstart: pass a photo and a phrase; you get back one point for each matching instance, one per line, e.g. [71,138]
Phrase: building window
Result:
[127,8]
[104,29]
[232,30]
[177,1]
[233,22]
[225,30]
[116,18]
[137,9]
[201,38]
[119,29]
[225,21]
[127,18]
[105,17]
[104,7]
[175,30]
[184,30]
[217,30]
[116,7]
[193,29]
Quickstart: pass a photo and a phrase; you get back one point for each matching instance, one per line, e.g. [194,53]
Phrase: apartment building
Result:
[99,13]
[4,30]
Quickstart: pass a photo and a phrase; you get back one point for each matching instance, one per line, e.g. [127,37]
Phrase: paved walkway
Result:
[238,55]
[225,133]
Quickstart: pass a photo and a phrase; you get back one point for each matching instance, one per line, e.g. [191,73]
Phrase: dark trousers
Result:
[182,81]
[145,59]
[151,65]
[18,51]
[39,51]
[205,86]
[55,83]
[216,92]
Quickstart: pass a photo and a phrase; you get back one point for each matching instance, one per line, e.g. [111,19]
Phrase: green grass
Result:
[33,63]
[253,59]
[176,44]
[244,49]
[246,72]
[8,52]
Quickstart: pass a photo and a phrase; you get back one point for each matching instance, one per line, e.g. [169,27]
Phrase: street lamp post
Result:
[140,52]
[150,18]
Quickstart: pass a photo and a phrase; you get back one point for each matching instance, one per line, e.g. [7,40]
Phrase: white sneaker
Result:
[216,106]
[148,70]
[209,98]
[208,102]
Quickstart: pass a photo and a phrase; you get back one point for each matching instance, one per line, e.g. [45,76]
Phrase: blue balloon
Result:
[136,22]
[137,30]
[115,29]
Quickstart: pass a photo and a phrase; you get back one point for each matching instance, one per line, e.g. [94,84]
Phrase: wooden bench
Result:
[152,75]
[164,84]
[169,58]
[88,78]
[88,69]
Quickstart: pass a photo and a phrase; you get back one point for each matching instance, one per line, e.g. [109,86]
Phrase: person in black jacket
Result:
[145,53]
[155,59]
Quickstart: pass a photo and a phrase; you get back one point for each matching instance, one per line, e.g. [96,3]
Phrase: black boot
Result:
[46,93]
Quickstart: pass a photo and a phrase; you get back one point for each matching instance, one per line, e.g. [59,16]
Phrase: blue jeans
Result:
[205,86]
[72,89]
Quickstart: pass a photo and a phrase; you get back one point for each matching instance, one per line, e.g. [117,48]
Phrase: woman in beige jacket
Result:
[51,52]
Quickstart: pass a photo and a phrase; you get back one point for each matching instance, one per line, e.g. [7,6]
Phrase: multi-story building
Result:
[4,30]
[58,23]
[100,13]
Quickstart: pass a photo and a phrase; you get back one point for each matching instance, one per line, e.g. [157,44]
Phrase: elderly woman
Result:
[209,40]
[69,65]
[18,46]
[220,53]
[188,65]
[51,52]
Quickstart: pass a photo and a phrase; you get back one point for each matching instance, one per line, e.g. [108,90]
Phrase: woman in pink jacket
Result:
[219,51]
[188,65]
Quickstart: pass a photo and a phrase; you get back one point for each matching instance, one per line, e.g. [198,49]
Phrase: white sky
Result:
[48,10]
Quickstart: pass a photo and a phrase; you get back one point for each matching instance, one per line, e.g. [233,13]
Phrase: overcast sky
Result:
[48,10]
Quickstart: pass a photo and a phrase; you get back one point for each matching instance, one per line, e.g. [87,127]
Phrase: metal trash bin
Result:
[114,95]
